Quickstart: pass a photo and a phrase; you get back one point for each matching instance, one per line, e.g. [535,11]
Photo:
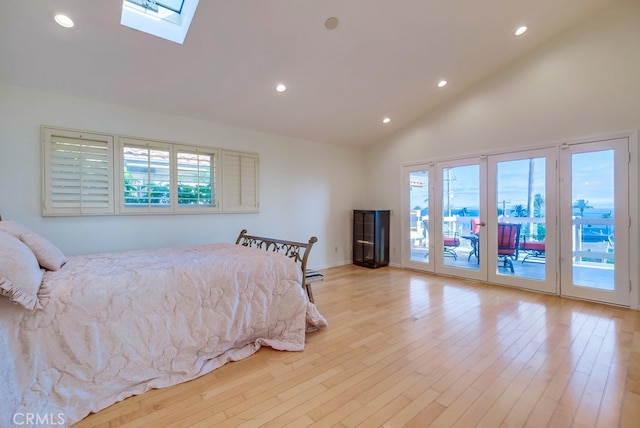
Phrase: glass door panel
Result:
[460,203]
[595,221]
[461,189]
[416,251]
[571,206]
[522,240]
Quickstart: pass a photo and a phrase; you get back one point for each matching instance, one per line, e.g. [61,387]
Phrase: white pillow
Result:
[20,274]
[49,256]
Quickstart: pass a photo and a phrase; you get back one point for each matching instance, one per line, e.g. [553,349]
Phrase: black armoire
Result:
[371,238]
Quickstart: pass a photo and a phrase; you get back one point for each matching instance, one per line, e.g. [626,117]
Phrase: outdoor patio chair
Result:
[475,226]
[474,238]
[611,246]
[533,249]
[450,244]
[508,243]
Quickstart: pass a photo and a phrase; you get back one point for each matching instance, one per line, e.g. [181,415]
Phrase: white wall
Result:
[583,83]
[305,188]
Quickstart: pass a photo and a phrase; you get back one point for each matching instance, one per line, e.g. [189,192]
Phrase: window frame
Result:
[149,145]
[216,188]
[47,203]
[248,204]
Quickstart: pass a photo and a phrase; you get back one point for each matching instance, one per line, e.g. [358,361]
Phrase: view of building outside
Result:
[147,177]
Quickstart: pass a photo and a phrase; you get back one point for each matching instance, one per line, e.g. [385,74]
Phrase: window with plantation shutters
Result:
[86,173]
[196,178]
[146,175]
[78,173]
[239,182]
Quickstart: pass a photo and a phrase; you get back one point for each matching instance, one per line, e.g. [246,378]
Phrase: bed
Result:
[103,327]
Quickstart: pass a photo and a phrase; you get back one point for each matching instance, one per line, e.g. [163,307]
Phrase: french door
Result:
[470,199]
[595,222]
[457,210]
[460,198]
[440,202]
[569,206]
[417,243]
[523,193]
[439,206]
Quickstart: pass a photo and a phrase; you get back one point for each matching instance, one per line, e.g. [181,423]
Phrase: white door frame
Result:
[479,274]
[622,223]
[633,198]
[550,283]
[428,264]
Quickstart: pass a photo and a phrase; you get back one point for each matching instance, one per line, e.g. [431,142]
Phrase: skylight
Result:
[168,19]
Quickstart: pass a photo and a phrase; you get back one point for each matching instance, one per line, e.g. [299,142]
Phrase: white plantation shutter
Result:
[87,173]
[239,182]
[78,173]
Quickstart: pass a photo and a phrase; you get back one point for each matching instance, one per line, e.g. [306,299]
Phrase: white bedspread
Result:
[118,324]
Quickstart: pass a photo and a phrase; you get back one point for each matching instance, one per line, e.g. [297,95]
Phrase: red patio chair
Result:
[450,244]
[508,242]
[533,249]
[475,226]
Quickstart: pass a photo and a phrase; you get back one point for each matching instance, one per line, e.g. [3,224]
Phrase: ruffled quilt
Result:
[118,324]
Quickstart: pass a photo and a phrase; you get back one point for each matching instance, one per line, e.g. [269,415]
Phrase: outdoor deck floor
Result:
[596,275]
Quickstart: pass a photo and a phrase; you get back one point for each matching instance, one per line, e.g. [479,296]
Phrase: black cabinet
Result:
[371,238]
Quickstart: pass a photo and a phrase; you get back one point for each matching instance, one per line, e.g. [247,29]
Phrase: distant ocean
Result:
[588,213]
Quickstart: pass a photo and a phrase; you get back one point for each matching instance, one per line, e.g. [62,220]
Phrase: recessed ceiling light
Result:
[386,120]
[63,20]
[281,88]
[442,83]
[521,30]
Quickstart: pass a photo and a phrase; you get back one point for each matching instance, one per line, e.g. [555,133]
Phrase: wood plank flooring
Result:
[407,349]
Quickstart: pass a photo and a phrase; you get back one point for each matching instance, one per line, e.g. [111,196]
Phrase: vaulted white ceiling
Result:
[384,58]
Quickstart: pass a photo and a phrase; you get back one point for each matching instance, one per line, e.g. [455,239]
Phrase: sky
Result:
[592,173]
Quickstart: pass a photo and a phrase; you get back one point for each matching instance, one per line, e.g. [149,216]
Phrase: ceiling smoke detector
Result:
[331,23]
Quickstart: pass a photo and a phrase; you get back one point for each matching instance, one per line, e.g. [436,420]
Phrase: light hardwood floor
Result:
[407,349]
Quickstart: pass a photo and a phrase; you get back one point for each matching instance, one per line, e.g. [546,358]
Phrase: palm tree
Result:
[530,197]
[519,211]
[581,205]
[538,206]
[538,203]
